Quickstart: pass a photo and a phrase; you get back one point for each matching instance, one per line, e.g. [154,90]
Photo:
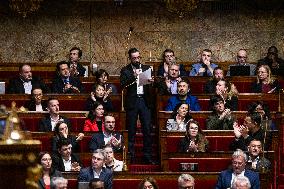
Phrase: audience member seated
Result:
[102,78]
[275,63]
[48,172]
[186,181]
[250,130]
[76,69]
[169,58]
[25,82]
[194,140]
[205,67]
[183,96]
[96,183]
[221,118]
[95,119]
[36,103]
[179,118]
[265,83]
[229,93]
[148,183]
[61,132]
[97,170]
[107,137]
[48,123]
[100,95]
[64,159]
[226,178]
[112,163]
[242,61]
[210,86]
[263,110]
[64,82]
[256,162]
[168,85]
[241,182]
[60,183]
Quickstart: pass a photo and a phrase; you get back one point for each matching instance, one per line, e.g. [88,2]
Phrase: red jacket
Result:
[92,126]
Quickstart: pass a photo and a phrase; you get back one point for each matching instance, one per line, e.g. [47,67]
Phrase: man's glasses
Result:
[244,57]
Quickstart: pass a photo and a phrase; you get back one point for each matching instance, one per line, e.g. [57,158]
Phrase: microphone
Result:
[131,29]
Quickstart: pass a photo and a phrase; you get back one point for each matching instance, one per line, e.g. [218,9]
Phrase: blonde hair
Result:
[267,68]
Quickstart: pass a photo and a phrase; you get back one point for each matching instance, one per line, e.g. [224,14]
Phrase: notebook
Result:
[239,70]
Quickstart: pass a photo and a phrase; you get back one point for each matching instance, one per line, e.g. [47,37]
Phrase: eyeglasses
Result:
[244,57]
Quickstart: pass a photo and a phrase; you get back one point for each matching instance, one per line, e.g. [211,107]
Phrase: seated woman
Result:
[148,182]
[194,140]
[179,118]
[61,131]
[95,119]
[102,77]
[45,181]
[99,95]
[265,83]
[229,93]
[264,111]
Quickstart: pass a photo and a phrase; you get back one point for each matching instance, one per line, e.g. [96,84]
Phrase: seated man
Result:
[64,159]
[48,123]
[96,183]
[241,182]
[221,118]
[183,96]
[227,177]
[256,162]
[241,61]
[275,63]
[36,103]
[112,163]
[168,85]
[205,66]
[210,86]
[25,82]
[97,170]
[64,82]
[59,183]
[169,58]
[76,69]
[107,137]
[250,130]
[185,181]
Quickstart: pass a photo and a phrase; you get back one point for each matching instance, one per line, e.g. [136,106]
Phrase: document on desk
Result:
[144,77]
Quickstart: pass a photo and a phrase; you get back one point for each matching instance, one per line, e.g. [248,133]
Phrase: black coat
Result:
[45,124]
[58,85]
[58,164]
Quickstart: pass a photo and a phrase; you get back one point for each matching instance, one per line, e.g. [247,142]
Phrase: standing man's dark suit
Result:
[87,174]
[137,104]
[45,123]
[225,177]
[58,85]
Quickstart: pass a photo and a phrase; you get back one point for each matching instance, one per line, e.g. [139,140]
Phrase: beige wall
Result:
[101,30]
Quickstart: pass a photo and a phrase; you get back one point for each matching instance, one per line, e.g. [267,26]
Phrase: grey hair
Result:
[58,180]
[102,152]
[238,153]
[183,177]
[243,180]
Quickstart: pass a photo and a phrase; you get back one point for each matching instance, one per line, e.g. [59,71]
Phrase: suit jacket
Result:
[257,87]
[54,173]
[31,106]
[128,81]
[80,69]
[225,177]
[45,124]
[58,164]
[97,141]
[58,85]
[87,174]
[191,100]
[16,85]
[71,138]
[161,70]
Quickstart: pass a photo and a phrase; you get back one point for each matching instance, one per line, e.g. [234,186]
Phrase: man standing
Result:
[227,177]
[25,82]
[76,69]
[97,170]
[205,66]
[138,103]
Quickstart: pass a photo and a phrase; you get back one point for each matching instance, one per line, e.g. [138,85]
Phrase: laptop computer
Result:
[240,71]
[83,185]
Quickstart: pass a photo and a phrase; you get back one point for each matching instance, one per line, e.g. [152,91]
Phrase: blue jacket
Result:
[197,66]
[191,100]
[225,177]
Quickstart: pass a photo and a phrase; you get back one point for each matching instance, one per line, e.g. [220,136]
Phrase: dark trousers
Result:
[131,122]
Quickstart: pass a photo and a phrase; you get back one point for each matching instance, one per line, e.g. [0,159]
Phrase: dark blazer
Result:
[97,141]
[54,173]
[31,106]
[257,87]
[58,164]
[80,69]
[210,86]
[71,138]
[87,174]
[225,177]
[58,85]
[45,124]
[161,70]
[16,85]
[128,81]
